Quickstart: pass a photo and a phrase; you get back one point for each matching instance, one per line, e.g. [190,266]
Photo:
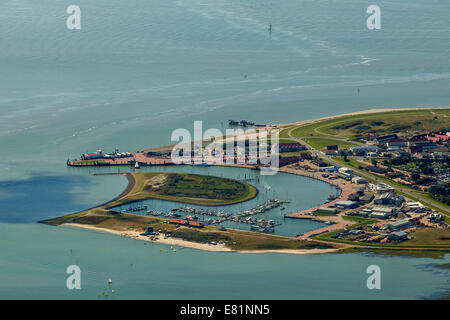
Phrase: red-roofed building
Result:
[195,224]
[419,141]
[438,137]
[186,223]
[179,221]
[415,149]
[368,136]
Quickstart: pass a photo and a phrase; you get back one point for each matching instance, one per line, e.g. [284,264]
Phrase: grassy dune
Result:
[322,143]
[353,126]
[187,188]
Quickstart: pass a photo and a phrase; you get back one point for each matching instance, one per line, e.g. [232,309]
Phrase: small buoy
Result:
[109,281]
[112,291]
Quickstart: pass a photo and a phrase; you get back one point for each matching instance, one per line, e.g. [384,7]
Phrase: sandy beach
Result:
[194,245]
[136,235]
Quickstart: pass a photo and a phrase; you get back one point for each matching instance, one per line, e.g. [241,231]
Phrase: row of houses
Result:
[290,147]
[416,144]
[436,136]
[187,223]
[284,161]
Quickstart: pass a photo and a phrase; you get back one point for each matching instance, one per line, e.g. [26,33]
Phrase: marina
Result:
[210,217]
[277,197]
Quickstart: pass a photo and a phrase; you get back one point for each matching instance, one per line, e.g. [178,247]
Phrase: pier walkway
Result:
[141,158]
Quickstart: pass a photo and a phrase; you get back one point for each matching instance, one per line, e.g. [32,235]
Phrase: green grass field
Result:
[286,141]
[379,123]
[244,240]
[430,237]
[322,143]
[187,188]
[390,122]
[198,186]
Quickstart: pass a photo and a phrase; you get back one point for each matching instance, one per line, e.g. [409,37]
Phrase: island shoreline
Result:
[198,245]
[194,245]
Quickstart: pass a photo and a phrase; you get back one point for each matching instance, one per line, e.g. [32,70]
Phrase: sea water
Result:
[139,69]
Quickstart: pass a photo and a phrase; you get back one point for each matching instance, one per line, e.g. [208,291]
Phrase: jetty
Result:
[242,123]
[135,159]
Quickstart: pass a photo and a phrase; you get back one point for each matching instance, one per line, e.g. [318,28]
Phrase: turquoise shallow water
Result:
[139,69]
[36,269]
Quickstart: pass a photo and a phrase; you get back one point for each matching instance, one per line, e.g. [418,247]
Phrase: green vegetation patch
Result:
[388,122]
[286,141]
[198,186]
[441,192]
[245,240]
[187,188]
[434,254]
[379,123]
[200,236]
[430,237]
[322,143]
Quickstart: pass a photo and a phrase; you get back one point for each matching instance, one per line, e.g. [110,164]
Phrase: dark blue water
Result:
[34,260]
[38,198]
[41,197]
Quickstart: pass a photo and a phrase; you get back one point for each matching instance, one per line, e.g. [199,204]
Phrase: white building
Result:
[380,187]
[381,212]
[359,180]
[345,170]
[95,155]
